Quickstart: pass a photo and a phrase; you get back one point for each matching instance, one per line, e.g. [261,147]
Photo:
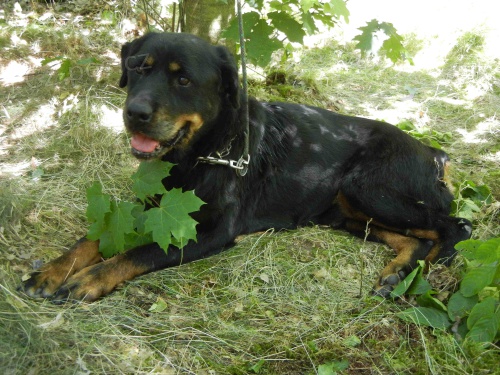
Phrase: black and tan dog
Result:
[308,165]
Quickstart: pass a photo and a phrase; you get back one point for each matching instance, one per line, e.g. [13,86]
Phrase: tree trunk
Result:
[206,18]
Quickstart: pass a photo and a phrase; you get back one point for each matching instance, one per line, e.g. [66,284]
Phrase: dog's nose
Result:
[139,112]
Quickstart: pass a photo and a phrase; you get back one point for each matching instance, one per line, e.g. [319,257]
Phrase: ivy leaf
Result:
[288,25]
[148,178]
[172,218]
[99,205]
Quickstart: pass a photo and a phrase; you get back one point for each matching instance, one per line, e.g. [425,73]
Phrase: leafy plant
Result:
[158,215]
[64,70]
[274,25]
[473,311]
[428,136]
[470,198]
[392,46]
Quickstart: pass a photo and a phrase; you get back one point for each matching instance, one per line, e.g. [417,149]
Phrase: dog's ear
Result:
[124,54]
[229,76]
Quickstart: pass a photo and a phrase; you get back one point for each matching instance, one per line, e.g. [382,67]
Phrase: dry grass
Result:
[276,303]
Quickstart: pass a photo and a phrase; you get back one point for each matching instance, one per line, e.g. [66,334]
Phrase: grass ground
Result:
[276,303]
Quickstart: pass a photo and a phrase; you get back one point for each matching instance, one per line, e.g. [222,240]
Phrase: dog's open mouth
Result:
[144,147]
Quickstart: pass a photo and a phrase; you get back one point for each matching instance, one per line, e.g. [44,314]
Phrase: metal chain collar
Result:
[241,166]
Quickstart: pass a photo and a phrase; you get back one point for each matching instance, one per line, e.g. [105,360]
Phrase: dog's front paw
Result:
[387,282]
[88,284]
[43,283]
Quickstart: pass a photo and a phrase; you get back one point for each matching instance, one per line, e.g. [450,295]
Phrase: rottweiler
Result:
[305,165]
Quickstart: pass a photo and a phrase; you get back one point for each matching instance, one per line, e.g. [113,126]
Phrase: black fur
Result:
[308,165]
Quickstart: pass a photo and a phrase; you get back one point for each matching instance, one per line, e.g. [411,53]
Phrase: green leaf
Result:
[250,19]
[414,283]
[135,239]
[64,70]
[427,300]
[48,60]
[308,22]
[257,367]
[483,252]
[337,8]
[159,306]
[106,245]
[332,368]
[99,205]
[261,44]
[466,208]
[365,39]
[120,222]
[484,308]
[479,194]
[426,316]
[306,5]
[403,286]
[148,178]
[419,285]
[392,47]
[88,60]
[477,278]
[460,306]
[288,25]
[172,218]
[483,321]
[352,341]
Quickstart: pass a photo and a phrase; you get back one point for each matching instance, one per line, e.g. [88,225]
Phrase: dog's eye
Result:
[183,81]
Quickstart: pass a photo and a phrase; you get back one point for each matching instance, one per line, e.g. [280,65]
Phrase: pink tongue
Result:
[143,144]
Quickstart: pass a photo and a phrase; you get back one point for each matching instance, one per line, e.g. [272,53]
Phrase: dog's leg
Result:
[44,282]
[81,275]
[433,238]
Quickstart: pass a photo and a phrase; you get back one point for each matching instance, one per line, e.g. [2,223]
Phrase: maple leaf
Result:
[172,219]
[392,47]
[288,25]
[148,178]
[120,222]
[99,205]
[337,8]
[260,44]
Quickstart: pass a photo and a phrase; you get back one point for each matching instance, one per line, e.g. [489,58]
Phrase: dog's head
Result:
[176,84]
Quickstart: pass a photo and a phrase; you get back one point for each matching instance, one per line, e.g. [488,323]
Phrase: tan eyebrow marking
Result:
[149,60]
[174,67]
